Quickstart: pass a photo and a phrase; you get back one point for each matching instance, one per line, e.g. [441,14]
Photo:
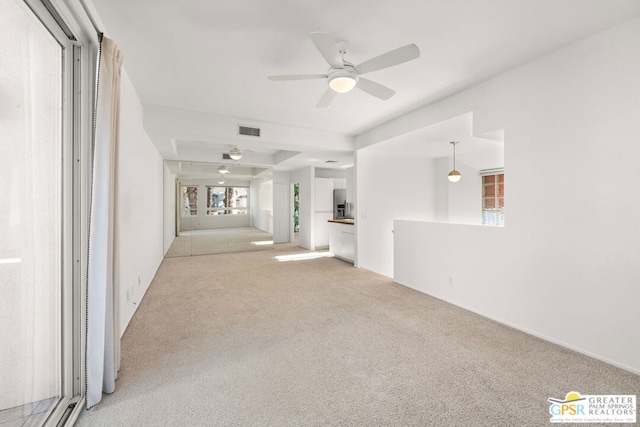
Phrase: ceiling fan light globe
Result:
[454,176]
[235,154]
[342,84]
[343,80]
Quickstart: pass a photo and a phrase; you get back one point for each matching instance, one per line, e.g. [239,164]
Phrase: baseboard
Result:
[530,332]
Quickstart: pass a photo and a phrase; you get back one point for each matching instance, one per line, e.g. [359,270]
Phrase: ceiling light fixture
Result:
[223,169]
[221,179]
[342,81]
[454,175]
[235,153]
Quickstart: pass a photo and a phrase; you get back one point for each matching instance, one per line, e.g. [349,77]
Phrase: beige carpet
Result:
[220,241]
[246,340]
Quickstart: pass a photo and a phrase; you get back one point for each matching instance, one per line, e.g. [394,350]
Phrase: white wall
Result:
[281,207]
[351,186]
[565,265]
[323,209]
[169,205]
[262,204]
[389,187]
[139,205]
[442,168]
[464,197]
[330,173]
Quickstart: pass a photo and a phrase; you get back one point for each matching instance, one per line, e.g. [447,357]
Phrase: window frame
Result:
[72,27]
[497,210]
[209,209]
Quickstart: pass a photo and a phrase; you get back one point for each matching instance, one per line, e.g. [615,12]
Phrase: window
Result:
[189,201]
[227,200]
[493,199]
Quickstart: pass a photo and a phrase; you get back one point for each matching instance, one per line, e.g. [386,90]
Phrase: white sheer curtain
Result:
[103,331]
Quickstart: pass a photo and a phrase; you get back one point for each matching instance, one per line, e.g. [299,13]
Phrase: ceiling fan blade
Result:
[326,98]
[375,89]
[389,59]
[326,45]
[298,77]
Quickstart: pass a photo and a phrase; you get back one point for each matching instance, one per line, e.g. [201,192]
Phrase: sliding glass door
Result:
[36,215]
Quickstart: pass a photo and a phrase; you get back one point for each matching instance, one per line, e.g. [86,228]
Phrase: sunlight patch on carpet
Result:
[262,242]
[304,256]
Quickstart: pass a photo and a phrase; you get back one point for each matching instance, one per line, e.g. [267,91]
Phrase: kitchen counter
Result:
[343,221]
[342,239]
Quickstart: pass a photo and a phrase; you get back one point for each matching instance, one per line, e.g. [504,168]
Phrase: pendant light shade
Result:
[221,180]
[235,154]
[223,169]
[454,175]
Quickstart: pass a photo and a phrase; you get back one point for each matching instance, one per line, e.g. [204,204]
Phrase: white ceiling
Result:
[202,170]
[211,59]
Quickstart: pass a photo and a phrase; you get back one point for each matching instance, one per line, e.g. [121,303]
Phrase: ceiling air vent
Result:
[226,156]
[248,131]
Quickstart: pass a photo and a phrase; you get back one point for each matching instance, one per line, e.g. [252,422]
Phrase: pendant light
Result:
[454,175]
[221,180]
[223,169]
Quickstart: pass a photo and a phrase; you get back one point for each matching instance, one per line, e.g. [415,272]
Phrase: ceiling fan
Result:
[344,76]
[235,153]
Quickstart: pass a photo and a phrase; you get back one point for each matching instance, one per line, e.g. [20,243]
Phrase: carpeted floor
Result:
[220,240]
[244,339]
